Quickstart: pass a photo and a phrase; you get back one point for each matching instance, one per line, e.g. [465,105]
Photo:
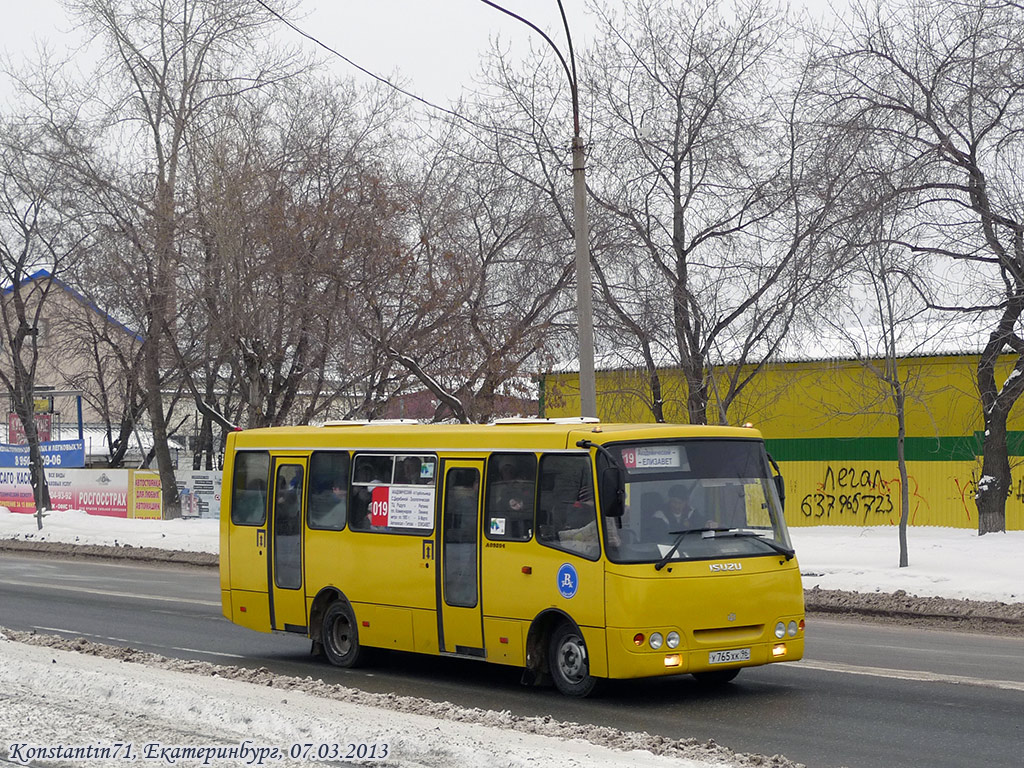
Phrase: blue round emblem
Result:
[568,581]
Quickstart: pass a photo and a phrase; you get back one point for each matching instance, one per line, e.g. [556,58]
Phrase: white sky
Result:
[435,46]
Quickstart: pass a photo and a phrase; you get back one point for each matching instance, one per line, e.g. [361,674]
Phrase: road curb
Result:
[119,552]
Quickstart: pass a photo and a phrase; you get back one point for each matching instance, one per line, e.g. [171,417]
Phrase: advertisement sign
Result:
[146,495]
[16,490]
[98,492]
[16,432]
[59,453]
[199,492]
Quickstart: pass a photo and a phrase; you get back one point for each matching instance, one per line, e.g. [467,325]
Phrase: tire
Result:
[569,662]
[340,636]
[716,678]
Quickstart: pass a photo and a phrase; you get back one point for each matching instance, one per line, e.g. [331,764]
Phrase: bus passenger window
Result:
[369,470]
[511,489]
[415,470]
[328,490]
[249,488]
[566,518]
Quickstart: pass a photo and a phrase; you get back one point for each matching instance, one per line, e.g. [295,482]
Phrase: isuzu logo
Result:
[726,566]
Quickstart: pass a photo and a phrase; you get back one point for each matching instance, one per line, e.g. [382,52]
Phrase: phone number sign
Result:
[62,453]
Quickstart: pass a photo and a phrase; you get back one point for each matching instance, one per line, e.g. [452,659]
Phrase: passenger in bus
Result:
[327,505]
[286,508]
[408,472]
[361,497]
[462,502]
[582,539]
[251,505]
[512,500]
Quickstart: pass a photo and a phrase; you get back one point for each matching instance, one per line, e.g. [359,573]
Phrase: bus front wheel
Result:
[339,635]
[569,663]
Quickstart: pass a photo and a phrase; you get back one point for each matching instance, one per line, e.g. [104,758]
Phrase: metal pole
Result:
[588,387]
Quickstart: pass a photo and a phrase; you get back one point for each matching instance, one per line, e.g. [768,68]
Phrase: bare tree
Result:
[483,282]
[167,66]
[39,230]
[884,318]
[941,86]
[712,192]
[297,200]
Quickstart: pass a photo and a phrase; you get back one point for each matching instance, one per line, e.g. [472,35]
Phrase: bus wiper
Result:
[789,553]
[679,540]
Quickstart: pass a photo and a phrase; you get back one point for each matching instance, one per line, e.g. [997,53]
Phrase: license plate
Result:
[725,657]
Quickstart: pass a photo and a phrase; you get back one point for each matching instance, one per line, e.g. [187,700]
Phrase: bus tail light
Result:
[638,638]
[778,651]
[673,660]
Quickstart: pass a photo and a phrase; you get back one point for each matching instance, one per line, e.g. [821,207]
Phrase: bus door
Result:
[284,555]
[460,622]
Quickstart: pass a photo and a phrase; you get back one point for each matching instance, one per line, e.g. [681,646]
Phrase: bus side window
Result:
[328,490]
[511,490]
[249,488]
[368,470]
[415,470]
[566,518]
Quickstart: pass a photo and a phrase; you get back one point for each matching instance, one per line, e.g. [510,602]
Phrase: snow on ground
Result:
[944,562]
[59,698]
[76,527]
[51,697]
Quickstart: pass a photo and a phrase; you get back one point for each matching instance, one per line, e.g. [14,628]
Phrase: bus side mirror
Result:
[613,492]
[780,484]
[780,488]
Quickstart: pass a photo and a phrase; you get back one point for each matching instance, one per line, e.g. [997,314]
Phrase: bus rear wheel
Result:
[340,637]
[569,663]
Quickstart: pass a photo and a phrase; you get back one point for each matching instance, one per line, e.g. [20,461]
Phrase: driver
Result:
[679,515]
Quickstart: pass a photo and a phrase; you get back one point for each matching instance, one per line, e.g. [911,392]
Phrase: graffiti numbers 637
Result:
[825,504]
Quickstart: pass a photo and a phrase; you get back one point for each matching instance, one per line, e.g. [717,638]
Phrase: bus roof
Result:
[519,434]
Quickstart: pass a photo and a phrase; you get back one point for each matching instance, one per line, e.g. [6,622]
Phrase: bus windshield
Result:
[694,500]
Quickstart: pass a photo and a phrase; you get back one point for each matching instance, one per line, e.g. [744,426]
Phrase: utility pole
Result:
[584,307]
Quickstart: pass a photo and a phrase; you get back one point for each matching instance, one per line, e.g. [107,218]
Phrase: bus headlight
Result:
[791,629]
[673,640]
[656,640]
[780,630]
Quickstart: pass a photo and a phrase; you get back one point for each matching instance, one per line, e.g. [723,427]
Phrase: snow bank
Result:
[74,700]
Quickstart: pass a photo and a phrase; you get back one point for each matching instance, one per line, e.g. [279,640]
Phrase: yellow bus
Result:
[573,549]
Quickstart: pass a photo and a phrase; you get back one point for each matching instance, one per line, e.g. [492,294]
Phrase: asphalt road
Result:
[867,695]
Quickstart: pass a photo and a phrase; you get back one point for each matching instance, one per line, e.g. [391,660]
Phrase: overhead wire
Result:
[394,86]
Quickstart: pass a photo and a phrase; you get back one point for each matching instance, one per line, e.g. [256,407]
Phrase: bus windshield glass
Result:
[695,499]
